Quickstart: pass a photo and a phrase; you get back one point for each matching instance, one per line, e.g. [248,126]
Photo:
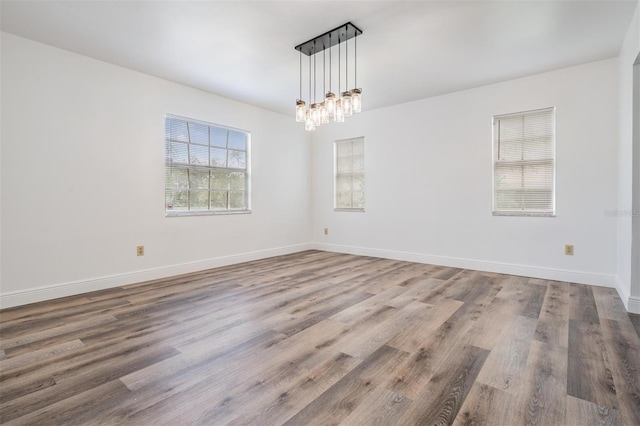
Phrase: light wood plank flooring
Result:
[324,338]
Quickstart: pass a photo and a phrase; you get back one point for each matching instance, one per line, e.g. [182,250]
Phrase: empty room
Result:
[320,212]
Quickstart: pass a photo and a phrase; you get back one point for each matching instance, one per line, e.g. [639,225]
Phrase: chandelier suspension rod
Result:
[339,66]
[346,65]
[324,71]
[330,66]
[309,79]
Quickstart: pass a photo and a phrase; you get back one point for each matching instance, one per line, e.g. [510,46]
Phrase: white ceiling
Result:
[408,50]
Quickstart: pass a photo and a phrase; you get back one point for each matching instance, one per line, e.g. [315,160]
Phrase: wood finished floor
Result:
[324,338]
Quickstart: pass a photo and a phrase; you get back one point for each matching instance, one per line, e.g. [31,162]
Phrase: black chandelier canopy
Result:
[329,39]
[329,107]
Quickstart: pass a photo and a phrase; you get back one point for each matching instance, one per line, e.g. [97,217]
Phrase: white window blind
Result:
[349,174]
[524,163]
[206,168]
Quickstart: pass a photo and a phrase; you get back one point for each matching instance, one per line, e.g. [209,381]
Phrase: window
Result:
[206,168]
[524,163]
[349,174]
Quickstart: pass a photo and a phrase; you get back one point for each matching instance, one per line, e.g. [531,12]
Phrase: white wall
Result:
[628,258]
[83,178]
[428,180]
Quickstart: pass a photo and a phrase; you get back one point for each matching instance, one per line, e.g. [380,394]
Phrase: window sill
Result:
[349,210]
[524,214]
[205,213]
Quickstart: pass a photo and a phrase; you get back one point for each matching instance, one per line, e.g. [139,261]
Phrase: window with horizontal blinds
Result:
[206,168]
[349,174]
[524,163]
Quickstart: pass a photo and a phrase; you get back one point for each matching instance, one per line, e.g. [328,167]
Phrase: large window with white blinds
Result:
[524,163]
[349,175]
[207,168]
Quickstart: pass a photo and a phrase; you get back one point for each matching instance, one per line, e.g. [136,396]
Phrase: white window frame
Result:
[497,162]
[337,173]
[171,165]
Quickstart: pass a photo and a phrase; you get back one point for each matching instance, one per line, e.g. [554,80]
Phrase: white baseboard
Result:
[478,265]
[623,295]
[55,291]
[633,305]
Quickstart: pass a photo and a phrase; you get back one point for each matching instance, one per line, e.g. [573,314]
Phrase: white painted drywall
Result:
[626,260]
[428,180]
[83,177]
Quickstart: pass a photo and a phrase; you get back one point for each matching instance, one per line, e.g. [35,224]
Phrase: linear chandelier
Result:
[327,107]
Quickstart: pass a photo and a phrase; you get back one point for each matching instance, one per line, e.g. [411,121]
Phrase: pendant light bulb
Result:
[315,114]
[309,125]
[356,100]
[300,111]
[330,104]
[347,106]
[339,115]
[324,114]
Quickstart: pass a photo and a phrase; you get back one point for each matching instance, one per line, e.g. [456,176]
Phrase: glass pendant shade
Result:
[347,107]
[309,125]
[339,115]
[356,100]
[330,104]
[300,111]
[315,114]
[324,114]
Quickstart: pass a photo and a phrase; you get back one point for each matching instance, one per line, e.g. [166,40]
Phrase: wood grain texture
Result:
[609,304]
[504,366]
[582,304]
[488,327]
[623,348]
[441,399]
[529,296]
[417,332]
[635,320]
[390,407]
[485,405]
[589,414]
[279,404]
[553,322]
[324,338]
[341,399]
[38,355]
[367,342]
[589,365]
[541,397]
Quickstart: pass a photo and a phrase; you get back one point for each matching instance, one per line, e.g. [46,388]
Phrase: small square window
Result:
[349,175]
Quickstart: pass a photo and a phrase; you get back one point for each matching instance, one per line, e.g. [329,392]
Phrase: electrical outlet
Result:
[568,249]
[140,250]
[326,231]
